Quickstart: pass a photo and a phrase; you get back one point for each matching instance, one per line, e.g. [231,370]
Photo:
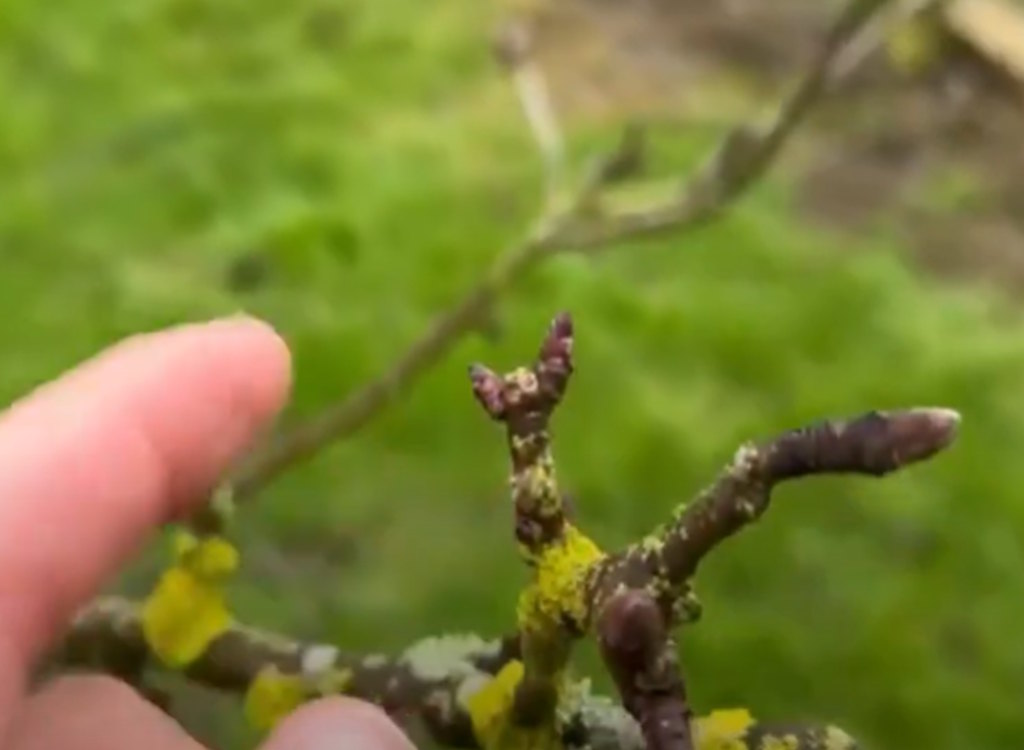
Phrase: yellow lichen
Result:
[558,591]
[537,483]
[524,379]
[652,543]
[489,707]
[490,712]
[534,487]
[777,742]
[186,610]
[837,739]
[332,681]
[915,46]
[679,511]
[722,730]
[273,695]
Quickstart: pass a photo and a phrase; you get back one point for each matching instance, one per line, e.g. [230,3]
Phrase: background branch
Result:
[513,47]
[743,155]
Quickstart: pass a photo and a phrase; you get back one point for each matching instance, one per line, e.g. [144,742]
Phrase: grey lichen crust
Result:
[596,722]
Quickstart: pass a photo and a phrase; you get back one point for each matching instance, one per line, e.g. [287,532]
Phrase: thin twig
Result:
[513,48]
[876,32]
[743,156]
[875,443]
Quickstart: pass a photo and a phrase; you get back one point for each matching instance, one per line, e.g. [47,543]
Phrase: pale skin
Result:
[90,466]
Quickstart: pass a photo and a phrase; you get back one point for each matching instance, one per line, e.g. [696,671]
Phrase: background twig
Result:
[744,155]
[513,48]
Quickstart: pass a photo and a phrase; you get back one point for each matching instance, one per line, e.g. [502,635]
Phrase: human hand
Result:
[90,465]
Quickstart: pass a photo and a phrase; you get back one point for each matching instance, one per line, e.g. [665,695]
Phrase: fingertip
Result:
[257,354]
[227,380]
[82,712]
[258,346]
[135,437]
[338,723]
[244,353]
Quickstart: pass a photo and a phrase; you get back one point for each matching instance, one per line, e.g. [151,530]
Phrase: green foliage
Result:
[356,164]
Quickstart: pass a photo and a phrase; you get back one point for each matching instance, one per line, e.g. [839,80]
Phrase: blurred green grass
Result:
[368,160]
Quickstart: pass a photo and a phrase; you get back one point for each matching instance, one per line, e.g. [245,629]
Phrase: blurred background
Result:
[346,168]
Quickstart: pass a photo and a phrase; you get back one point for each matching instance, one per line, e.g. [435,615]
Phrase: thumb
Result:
[337,724]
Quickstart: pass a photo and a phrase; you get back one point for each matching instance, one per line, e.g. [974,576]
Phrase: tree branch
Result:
[743,156]
[875,443]
[524,401]
[430,680]
[632,599]
[641,657]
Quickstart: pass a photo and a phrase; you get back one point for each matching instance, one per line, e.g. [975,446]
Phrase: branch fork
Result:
[524,400]
[634,599]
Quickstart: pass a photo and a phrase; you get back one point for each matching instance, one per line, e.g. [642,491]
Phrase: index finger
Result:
[94,461]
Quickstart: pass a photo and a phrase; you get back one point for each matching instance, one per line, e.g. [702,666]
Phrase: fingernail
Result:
[338,724]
